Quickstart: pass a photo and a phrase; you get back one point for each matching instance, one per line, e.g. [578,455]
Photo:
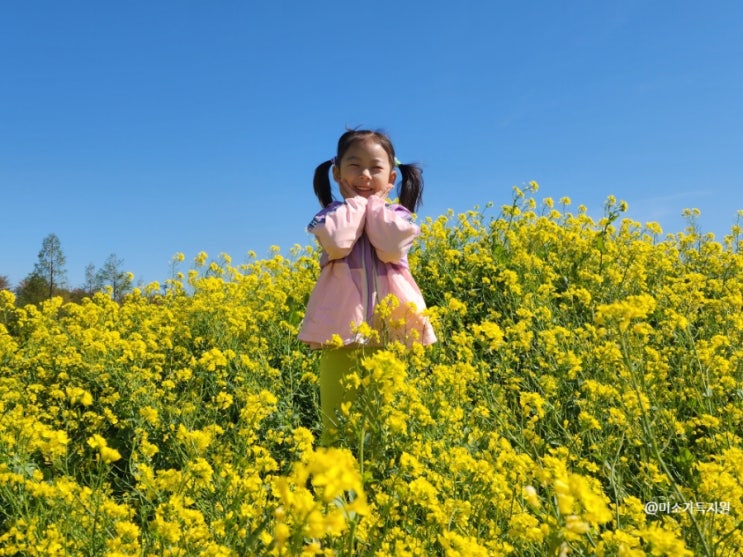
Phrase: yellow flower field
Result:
[585,398]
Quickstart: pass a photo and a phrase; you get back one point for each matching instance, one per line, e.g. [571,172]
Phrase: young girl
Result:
[365,241]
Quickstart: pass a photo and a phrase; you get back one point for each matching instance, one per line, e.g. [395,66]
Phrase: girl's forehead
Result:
[368,148]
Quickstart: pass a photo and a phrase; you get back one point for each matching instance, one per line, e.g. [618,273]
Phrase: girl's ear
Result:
[336,174]
[391,182]
[393,178]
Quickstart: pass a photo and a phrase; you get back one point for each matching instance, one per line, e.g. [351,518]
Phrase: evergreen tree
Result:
[4,283]
[31,290]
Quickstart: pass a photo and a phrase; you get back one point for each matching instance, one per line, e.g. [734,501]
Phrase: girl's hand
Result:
[385,192]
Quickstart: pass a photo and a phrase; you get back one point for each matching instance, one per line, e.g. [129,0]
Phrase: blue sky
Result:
[150,128]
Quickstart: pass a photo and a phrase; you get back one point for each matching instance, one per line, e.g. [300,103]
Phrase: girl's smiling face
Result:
[364,170]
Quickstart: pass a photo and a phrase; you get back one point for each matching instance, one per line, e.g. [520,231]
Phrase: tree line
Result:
[49,278]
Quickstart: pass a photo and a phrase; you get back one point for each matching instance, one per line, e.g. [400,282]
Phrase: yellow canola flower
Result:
[336,341]
[663,542]
[532,403]
[457,306]
[150,415]
[624,311]
[576,525]
[54,442]
[384,366]
[7,298]
[107,454]
[97,442]
[335,472]
[457,545]
[76,395]
[619,542]
[202,380]
[531,496]
[213,359]
[198,440]
[224,400]
[202,472]
[526,527]
[489,332]
[200,259]
[336,499]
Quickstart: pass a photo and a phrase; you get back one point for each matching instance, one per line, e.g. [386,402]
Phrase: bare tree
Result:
[50,266]
[112,275]
[92,280]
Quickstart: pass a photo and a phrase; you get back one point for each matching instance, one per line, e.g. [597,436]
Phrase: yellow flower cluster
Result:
[322,497]
[584,398]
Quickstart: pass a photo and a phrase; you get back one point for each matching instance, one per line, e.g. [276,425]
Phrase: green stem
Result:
[651,440]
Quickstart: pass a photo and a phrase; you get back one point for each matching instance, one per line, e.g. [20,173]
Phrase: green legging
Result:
[335,365]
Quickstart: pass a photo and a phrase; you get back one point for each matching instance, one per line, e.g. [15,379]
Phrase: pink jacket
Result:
[365,244]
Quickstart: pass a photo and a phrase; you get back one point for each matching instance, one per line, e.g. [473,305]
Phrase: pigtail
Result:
[322,184]
[411,187]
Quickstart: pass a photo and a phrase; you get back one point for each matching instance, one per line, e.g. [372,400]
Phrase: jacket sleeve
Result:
[338,228]
[390,229]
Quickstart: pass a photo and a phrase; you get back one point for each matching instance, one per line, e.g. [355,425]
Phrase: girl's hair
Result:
[410,190]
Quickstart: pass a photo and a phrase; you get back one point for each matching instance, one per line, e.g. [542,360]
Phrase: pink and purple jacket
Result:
[365,244]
